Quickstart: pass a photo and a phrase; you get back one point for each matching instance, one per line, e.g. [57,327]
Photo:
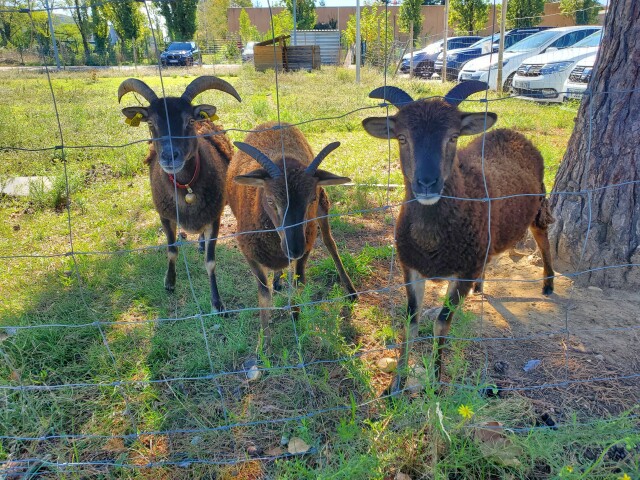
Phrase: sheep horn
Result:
[395,95]
[313,166]
[138,86]
[272,169]
[461,91]
[208,82]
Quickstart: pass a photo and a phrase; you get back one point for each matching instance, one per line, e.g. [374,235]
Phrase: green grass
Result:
[116,278]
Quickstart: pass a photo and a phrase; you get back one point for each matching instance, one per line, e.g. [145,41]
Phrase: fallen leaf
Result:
[402,476]
[274,452]
[496,446]
[297,445]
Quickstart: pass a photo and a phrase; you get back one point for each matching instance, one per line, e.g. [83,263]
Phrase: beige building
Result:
[433,15]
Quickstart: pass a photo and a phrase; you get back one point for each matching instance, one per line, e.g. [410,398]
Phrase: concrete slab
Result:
[21,186]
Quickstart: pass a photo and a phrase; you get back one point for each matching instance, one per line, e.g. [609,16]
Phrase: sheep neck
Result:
[196,173]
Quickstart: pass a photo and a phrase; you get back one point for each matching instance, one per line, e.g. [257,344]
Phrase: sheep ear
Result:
[252,179]
[380,127]
[205,112]
[135,115]
[473,123]
[326,178]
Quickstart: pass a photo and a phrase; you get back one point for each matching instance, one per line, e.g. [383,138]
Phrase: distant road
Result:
[219,69]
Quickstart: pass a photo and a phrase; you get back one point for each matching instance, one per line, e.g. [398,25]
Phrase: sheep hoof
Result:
[169,283]
[547,290]
[277,284]
[219,309]
[352,297]
[395,387]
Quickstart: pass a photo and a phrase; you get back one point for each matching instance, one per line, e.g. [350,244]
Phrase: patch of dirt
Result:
[586,339]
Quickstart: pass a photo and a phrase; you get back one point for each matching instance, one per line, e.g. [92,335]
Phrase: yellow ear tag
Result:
[205,116]
[134,121]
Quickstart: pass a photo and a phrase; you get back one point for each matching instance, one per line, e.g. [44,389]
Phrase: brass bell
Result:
[190,197]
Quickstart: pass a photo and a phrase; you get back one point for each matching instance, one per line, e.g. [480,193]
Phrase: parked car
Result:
[180,53]
[579,77]
[485,68]
[423,60]
[458,57]
[247,52]
[542,77]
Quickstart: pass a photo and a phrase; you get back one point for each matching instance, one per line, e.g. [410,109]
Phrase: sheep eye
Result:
[402,139]
[453,139]
[271,202]
[192,121]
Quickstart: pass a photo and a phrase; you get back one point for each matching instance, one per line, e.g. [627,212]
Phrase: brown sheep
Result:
[187,172]
[439,236]
[279,206]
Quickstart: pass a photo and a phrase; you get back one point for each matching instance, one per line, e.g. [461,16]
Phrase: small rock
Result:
[253,373]
[402,476]
[297,445]
[196,440]
[594,289]
[501,367]
[531,365]
[600,357]
[386,364]
[16,228]
[284,440]
[416,378]
[254,451]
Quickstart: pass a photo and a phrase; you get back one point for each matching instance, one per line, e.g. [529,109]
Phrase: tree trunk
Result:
[598,227]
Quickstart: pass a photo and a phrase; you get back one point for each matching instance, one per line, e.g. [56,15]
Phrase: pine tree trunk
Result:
[598,227]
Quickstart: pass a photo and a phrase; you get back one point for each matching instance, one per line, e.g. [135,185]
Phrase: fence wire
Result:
[22,448]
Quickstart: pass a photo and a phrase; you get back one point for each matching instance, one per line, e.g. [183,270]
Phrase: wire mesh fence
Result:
[139,390]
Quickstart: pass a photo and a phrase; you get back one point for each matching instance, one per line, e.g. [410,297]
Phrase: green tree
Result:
[524,13]
[212,19]
[248,31]
[180,17]
[306,16]
[80,14]
[127,22]
[99,28]
[410,11]
[469,16]
[282,24]
[585,12]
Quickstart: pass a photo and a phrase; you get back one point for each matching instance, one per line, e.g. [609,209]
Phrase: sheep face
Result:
[427,132]
[290,202]
[172,127]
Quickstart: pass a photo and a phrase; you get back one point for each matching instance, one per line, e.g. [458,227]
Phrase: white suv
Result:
[485,68]
[579,77]
[542,77]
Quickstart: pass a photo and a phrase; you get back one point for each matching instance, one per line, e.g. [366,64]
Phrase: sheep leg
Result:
[210,238]
[201,243]
[264,301]
[457,291]
[414,285]
[478,287]
[330,243]
[542,239]
[169,228]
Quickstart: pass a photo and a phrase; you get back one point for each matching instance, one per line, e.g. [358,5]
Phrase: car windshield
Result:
[534,41]
[590,41]
[180,46]
[482,41]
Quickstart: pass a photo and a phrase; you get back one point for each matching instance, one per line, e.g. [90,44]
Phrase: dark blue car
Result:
[458,57]
[423,60]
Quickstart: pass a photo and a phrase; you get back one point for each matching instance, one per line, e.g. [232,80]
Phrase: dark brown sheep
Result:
[443,237]
[187,172]
[278,206]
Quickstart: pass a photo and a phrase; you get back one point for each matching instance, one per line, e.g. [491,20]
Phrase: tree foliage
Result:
[247,30]
[468,16]
[585,12]
[410,11]
[372,24]
[524,13]
[180,17]
[80,15]
[125,17]
[282,24]
[100,28]
[212,19]
[306,16]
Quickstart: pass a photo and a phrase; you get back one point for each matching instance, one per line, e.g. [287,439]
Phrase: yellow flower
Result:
[624,477]
[569,468]
[465,411]
[283,276]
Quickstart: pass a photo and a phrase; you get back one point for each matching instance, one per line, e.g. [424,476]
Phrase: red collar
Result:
[193,179]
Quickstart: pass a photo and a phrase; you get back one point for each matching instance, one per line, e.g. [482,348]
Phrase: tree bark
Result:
[597,228]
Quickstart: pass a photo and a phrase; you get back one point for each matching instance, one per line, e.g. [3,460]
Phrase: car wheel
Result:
[508,84]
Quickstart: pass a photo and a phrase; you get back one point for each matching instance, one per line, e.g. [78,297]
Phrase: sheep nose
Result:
[170,155]
[428,185]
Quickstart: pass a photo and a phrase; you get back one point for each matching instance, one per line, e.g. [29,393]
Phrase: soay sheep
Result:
[187,170]
[442,236]
[277,201]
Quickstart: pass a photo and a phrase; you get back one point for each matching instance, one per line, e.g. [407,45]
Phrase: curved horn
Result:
[138,86]
[395,95]
[208,82]
[313,166]
[272,169]
[461,91]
